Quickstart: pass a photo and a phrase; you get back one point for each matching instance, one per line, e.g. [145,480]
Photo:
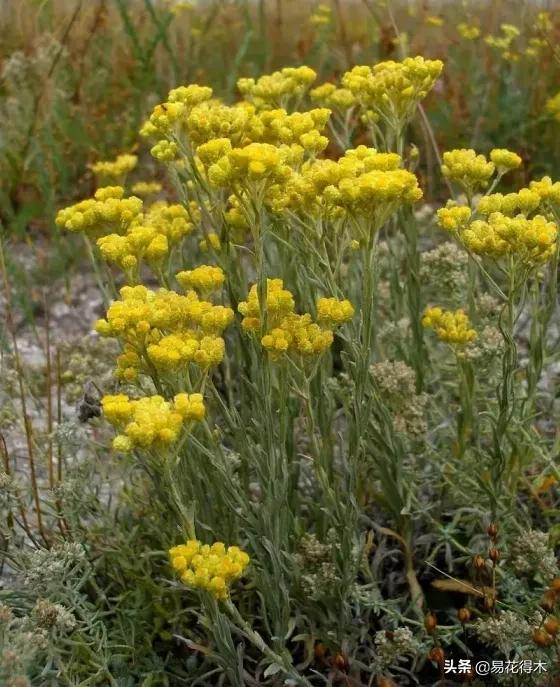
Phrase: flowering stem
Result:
[282,661]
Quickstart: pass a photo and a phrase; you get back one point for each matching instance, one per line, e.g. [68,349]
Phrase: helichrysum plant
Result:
[294,377]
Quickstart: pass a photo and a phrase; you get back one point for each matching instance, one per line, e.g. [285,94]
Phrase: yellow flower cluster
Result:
[524,201]
[548,190]
[504,159]
[433,20]
[108,210]
[165,329]
[393,89]
[204,278]
[553,106]
[332,312]
[278,127]
[530,241]
[211,241]
[115,169]
[213,119]
[175,351]
[452,327]
[169,116]
[164,151]
[274,90]
[172,220]
[288,332]
[146,188]
[297,334]
[330,96]
[468,169]
[453,217]
[468,32]
[139,243]
[321,16]
[253,163]
[150,421]
[362,182]
[209,567]
[279,303]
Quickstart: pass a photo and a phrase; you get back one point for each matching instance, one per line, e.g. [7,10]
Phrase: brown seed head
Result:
[492,530]
[552,625]
[540,637]
[479,562]
[437,654]
[494,554]
[464,615]
[555,585]
[385,682]
[341,662]
[548,600]
[320,650]
[430,623]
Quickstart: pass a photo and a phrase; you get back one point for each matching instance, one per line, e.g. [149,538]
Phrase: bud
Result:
[548,600]
[464,615]
[437,655]
[552,625]
[385,682]
[494,554]
[320,650]
[540,637]
[492,530]
[430,623]
[479,562]
[489,603]
[341,662]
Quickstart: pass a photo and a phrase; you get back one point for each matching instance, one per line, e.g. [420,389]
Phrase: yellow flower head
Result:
[115,169]
[210,567]
[277,89]
[150,421]
[468,32]
[469,170]
[530,241]
[108,211]
[332,97]
[393,89]
[205,278]
[452,327]
[146,188]
[453,217]
[548,191]
[331,312]
[279,303]
[524,201]
[504,160]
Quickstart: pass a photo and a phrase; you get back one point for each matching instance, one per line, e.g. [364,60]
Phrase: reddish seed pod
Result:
[552,625]
[540,637]
[492,530]
[494,554]
[437,655]
[430,623]
[464,615]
